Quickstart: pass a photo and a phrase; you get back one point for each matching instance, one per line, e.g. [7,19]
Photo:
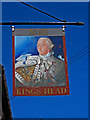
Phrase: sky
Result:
[74,105]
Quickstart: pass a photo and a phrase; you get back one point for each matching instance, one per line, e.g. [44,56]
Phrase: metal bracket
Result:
[63,28]
[13,28]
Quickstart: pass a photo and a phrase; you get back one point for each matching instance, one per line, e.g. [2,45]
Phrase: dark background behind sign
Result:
[76,104]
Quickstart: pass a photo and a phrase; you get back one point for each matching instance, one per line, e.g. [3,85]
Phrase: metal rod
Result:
[42,23]
[41,11]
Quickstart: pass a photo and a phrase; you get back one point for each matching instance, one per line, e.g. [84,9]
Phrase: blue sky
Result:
[73,106]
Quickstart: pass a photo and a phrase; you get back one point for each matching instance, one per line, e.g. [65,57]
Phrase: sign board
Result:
[39,62]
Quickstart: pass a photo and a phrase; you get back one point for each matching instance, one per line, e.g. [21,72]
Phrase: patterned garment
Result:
[41,70]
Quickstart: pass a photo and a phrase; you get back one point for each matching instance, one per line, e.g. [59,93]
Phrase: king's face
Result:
[42,47]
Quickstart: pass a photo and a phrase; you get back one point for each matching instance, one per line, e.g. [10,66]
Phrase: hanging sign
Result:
[39,62]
